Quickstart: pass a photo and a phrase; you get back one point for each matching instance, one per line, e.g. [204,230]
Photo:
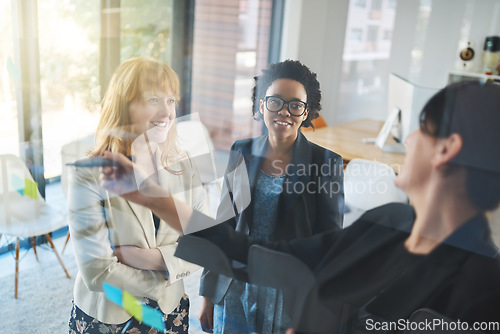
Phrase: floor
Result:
[28,263]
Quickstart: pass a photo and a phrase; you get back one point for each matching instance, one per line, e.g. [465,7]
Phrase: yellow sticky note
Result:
[132,305]
[30,188]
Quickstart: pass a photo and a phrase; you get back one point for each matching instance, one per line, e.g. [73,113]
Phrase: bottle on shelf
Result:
[491,55]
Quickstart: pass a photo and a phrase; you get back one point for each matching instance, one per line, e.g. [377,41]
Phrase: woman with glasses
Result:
[119,242]
[296,191]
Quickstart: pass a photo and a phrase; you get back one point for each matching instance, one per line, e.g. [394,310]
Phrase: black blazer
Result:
[311,201]
[366,266]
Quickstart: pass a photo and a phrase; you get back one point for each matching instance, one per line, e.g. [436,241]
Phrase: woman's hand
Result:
[140,258]
[206,316]
[122,180]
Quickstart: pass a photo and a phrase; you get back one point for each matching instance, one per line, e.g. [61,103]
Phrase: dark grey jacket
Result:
[311,201]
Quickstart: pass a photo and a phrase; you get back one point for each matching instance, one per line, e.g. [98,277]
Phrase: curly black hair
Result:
[289,69]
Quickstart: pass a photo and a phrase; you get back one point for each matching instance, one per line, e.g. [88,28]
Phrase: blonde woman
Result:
[117,241]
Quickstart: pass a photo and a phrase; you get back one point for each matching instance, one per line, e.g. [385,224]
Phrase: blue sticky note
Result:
[150,316]
[17,183]
[112,293]
[153,318]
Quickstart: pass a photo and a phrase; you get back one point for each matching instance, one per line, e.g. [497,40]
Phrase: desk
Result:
[347,140]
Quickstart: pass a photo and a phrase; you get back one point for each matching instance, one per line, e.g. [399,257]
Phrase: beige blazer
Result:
[99,220]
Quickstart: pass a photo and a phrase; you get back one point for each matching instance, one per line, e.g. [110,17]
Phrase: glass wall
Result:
[70,34]
[146,29]
[69,74]
[365,65]
[231,43]
[78,45]
[229,46]
[9,80]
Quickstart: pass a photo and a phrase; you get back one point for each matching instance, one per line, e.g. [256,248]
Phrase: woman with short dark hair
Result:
[437,254]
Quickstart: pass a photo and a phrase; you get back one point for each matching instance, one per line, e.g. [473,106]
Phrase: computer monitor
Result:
[409,99]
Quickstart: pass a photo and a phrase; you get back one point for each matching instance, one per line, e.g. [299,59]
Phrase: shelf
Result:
[470,76]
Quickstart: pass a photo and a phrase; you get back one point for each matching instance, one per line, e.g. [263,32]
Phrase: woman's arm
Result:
[234,244]
[140,258]
[90,232]
[122,181]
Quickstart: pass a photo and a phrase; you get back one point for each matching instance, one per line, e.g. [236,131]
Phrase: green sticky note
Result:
[30,188]
[132,306]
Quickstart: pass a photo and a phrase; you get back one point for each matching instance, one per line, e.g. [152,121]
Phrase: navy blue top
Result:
[266,198]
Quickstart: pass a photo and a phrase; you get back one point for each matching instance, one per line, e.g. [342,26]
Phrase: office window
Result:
[72,81]
[372,35]
[376,5]
[360,3]
[365,64]
[231,43]
[391,4]
[387,35]
[9,78]
[145,30]
[69,74]
[356,35]
[375,10]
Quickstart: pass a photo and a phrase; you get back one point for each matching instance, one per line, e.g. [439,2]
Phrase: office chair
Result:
[318,124]
[367,185]
[23,211]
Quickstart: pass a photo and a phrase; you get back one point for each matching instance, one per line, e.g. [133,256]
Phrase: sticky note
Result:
[17,183]
[30,188]
[132,306]
[142,313]
[153,318]
[112,293]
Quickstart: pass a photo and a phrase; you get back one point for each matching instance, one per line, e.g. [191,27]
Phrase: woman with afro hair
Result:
[296,190]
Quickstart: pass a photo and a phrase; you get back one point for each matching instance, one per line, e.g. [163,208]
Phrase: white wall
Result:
[438,41]
[314,32]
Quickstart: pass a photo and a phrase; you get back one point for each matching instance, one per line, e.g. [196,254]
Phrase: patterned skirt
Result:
[176,322]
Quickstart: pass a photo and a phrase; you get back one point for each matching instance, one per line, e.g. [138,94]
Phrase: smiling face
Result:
[153,113]
[281,124]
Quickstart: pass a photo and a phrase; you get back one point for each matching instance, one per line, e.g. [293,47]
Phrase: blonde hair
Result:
[130,81]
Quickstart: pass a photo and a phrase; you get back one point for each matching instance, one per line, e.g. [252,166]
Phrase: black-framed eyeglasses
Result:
[295,107]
